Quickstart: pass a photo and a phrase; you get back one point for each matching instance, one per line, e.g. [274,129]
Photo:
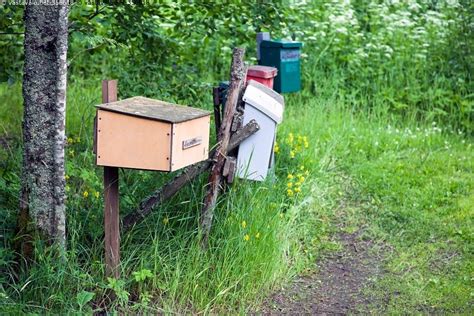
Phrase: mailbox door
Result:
[132,142]
[190,142]
[290,68]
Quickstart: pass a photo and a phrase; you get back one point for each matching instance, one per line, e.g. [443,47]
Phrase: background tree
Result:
[44,92]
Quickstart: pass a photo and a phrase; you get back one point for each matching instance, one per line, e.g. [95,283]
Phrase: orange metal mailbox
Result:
[143,133]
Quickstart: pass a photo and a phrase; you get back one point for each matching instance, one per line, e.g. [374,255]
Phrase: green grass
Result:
[408,182]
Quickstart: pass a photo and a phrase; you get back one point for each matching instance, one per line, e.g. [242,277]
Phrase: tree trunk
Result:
[42,205]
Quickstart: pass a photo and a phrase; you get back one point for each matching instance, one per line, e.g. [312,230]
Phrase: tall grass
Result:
[373,153]
[262,235]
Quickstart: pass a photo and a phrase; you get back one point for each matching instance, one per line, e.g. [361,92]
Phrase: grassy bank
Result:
[408,183]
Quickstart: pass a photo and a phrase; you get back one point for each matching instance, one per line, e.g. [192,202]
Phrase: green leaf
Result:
[84,297]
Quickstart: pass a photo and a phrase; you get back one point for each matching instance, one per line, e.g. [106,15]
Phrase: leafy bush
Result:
[414,55]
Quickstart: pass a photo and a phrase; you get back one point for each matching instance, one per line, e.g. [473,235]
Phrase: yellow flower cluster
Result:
[247,235]
[85,194]
[296,143]
[276,148]
[71,140]
[295,182]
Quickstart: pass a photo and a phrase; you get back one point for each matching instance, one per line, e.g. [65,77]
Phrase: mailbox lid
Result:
[262,71]
[154,110]
[281,43]
[265,100]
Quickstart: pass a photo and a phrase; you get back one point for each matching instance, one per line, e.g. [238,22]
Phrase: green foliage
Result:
[359,137]
[118,286]
[414,55]
[82,298]
[142,275]
[11,42]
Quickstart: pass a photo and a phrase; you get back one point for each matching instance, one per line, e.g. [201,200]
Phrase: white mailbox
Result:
[255,154]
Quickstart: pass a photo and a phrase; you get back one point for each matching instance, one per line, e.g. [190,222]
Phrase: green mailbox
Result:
[285,56]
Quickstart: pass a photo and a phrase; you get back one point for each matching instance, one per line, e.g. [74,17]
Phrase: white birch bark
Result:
[44,95]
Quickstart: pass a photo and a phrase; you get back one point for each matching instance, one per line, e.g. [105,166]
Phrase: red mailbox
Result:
[262,74]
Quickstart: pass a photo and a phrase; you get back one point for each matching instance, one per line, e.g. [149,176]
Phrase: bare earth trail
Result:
[337,287]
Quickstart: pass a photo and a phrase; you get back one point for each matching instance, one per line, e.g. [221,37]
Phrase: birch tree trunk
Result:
[42,205]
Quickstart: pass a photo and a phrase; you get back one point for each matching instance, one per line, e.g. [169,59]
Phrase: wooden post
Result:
[237,76]
[173,186]
[111,200]
[217,110]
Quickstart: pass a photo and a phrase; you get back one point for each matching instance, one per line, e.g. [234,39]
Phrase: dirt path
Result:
[337,288]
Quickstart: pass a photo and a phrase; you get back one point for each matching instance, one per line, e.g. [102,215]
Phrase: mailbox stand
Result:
[145,134]
[111,200]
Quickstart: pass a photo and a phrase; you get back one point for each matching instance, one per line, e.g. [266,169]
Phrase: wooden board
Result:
[190,142]
[132,142]
[154,109]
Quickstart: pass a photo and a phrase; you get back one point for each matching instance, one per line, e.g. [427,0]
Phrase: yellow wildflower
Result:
[85,194]
[244,224]
[276,149]
[301,179]
[96,194]
[306,144]
[66,177]
[166,220]
[297,190]
[70,141]
[302,168]
[246,237]
[257,235]
[292,154]
[289,192]
[290,138]
[290,176]
[289,184]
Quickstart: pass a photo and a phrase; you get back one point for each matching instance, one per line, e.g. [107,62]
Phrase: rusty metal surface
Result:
[154,109]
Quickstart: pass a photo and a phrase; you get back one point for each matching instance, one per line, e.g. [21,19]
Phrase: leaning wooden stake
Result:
[111,200]
[237,74]
[172,187]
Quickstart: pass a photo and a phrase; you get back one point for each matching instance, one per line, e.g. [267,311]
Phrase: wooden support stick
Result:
[172,187]
[111,200]
[237,76]
[217,110]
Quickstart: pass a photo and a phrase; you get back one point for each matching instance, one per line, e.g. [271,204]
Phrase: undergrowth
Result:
[388,105]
